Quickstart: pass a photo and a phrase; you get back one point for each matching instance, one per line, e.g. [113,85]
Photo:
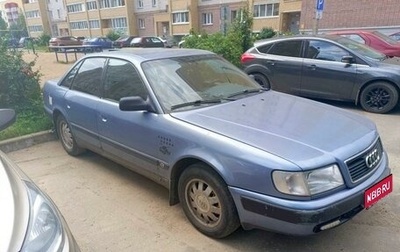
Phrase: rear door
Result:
[284,62]
[82,100]
[324,74]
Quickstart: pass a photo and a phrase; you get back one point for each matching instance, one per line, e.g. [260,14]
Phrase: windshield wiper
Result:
[195,103]
[247,91]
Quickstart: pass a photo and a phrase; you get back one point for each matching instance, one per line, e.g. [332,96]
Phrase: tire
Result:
[379,97]
[206,201]
[66,137]
[261,79]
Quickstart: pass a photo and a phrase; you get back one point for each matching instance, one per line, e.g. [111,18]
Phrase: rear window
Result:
[291,48]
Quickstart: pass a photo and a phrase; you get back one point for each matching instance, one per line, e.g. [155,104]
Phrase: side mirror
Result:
[348,59]
[7,117]
[135,103]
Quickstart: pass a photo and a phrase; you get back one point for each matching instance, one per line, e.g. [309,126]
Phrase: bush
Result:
[266,32]
[237,41]
[20,90]
[114,35]
[222,45]
[43,40]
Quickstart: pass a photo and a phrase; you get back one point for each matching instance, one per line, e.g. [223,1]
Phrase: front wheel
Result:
[379,97]
[67,139]
[207,202]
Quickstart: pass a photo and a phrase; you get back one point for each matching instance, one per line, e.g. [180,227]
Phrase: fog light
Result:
[330,225]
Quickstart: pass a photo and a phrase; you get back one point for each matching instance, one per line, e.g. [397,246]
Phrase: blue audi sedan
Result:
[229,151]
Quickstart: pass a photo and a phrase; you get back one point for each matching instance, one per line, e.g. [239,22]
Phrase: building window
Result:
[141,23]
[80,25]
[94,24]
[154,3]
[140,4]
[266,10]
[91,5]
[32,14]
[180,17]
[119,23]
[75,8]
[35,28]
[207,18]
[111,3]
[234,15]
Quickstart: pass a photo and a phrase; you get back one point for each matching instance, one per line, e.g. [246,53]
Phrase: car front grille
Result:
[363,164]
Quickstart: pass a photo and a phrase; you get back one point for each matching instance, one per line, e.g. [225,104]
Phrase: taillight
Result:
[246,57]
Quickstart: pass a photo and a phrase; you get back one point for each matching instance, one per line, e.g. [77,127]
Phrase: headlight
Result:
[44,229]
[308,183]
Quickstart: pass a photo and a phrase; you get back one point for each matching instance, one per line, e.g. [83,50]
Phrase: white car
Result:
[29,219]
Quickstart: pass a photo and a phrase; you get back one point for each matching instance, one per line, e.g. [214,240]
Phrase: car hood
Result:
[299,130]
[14,204]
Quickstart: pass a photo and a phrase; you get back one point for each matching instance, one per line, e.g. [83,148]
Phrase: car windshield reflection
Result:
[189,82]
[361,49]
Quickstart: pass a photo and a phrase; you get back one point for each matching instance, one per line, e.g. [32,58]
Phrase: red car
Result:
[374,39]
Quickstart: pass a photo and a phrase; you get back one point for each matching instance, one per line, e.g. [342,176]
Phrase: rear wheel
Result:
[207,202]
[379,97]
[261,79]
[66,137]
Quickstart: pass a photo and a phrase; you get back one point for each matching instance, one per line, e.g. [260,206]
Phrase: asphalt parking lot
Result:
[109,208]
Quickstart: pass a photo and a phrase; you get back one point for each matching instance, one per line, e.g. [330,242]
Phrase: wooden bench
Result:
[74,50]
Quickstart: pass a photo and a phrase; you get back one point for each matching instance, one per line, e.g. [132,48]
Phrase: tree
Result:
[241,29]
[18,29]
[3,27]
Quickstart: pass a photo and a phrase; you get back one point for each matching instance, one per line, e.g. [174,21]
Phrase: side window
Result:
[122,80]
[264,48]
[67,81]
[88,79]
[323,50]
[290,48]
[355,37]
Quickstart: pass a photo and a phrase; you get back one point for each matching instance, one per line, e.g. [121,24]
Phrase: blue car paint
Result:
[281,132]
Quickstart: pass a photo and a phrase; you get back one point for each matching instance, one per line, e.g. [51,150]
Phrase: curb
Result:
[22,142]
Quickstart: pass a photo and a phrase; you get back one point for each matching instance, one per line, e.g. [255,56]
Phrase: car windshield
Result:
[385,38]
[187,82]
[361,49]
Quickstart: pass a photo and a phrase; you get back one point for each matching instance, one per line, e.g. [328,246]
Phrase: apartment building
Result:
[91,18]
[36,17]
[10,10]
[57,18]
[380,15]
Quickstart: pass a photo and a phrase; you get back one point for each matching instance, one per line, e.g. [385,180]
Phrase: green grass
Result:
[26,124]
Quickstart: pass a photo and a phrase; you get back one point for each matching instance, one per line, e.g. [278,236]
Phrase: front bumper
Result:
[303,217]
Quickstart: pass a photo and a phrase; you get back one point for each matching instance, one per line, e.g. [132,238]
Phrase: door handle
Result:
[270,62]
[104,119]
[312,67]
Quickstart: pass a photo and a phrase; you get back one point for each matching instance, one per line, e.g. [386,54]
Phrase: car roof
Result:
[144,54]
[297,37]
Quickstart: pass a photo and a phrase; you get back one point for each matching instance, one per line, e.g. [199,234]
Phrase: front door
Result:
[126,135]
[324,74]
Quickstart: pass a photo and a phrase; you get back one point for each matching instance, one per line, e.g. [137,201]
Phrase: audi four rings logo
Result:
[372,158]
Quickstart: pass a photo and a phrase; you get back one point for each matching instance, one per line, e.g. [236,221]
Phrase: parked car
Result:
[374,39]
[123,41]
[147,42]
[395,36]
[101,42]
[29,219]
[326,67]
[167,42]
[24,41]
[65,41]
[232,152]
